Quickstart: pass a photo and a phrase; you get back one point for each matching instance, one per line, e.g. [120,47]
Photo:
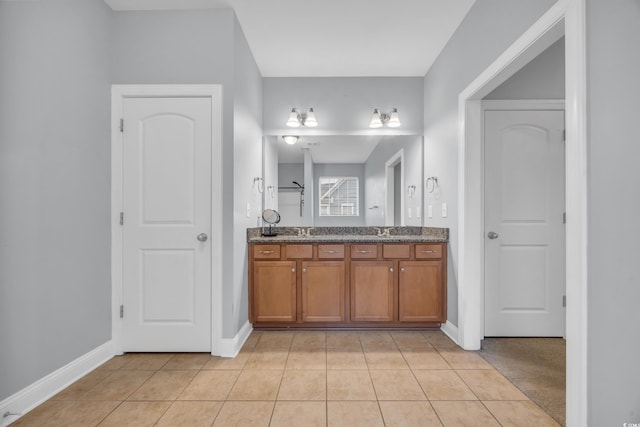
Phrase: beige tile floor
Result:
[303,378]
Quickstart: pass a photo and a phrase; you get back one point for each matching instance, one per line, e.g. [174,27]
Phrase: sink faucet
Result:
[385,233]
[302,231]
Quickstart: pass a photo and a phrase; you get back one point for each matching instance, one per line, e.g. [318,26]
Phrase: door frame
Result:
[389,188]
[118,94]
[566,17]
[509,105]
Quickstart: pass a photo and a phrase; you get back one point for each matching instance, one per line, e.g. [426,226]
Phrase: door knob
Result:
[202,237]
[492,235]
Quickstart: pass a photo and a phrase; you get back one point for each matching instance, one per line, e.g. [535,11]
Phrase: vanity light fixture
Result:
[380,119]
[290,139]
[296,119]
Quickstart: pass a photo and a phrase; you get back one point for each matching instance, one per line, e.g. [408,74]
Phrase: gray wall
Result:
[375,178]
[613,67]
[343,105]
[55,290]
[488,29]
[341,169]
[247,164]
[183,47]
[208,47]
[270,172]
[542,78]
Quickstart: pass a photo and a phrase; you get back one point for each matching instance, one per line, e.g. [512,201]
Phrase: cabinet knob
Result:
[402,269]
[293,270]
[304,270]
[391,269]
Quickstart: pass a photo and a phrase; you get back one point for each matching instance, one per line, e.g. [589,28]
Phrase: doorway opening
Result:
[394,196]
[564,18]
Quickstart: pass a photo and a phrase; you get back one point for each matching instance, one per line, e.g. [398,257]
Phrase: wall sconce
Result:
[290,139]
[379,119]
[258,183]
[297,119]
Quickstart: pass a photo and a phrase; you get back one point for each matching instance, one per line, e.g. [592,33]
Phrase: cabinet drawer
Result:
[330,251]
[266,251]
[364,251]
[396,251]
[298,251]
[428,251]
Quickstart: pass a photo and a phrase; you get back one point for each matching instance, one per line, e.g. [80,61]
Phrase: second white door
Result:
[524,227]
[167,221]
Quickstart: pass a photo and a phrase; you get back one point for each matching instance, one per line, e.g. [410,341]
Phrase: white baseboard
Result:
[33,395]
[230,347]
[451,331]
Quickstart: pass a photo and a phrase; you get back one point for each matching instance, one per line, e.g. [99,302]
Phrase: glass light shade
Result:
[294,119]
[310,119]
[290,139]
[376,120]
[394,120]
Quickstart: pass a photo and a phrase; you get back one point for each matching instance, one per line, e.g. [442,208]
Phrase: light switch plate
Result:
[409,212]
[430,211]
[248,210]
[444,210]
[418,212]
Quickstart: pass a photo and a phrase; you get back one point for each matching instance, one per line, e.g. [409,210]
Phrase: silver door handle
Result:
[492,235]
[202,237]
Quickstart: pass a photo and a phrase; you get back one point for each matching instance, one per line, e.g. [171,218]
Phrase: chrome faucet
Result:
[302,231]
[307,231]
[385,233]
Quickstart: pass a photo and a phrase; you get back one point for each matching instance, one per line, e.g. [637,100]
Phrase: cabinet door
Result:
[421,292]
[372,291]
[274,291]
[323,291]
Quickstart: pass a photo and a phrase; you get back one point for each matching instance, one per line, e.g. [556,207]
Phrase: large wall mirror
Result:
[344,180]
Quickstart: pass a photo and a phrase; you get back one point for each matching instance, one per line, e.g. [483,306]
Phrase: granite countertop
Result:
[351,235]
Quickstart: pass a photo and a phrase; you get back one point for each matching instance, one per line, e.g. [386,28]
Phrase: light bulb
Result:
[290,139]
[294,119]
[310,120]
[394,120]
[376,120]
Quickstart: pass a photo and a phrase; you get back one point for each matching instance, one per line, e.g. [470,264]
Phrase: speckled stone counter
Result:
[350,235]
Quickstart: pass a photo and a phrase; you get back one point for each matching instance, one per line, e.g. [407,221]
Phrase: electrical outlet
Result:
[409,212]
[418,212]
[444,210]
[430,211]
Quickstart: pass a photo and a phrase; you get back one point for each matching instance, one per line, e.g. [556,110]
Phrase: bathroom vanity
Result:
[348,277]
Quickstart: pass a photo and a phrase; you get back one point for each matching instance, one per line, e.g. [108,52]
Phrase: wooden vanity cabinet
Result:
[372,291]
[273,294]
[347,285]
[420,292]
[323,288]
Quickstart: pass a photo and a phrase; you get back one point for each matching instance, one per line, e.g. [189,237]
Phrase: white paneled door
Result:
[167,221]
[524,227]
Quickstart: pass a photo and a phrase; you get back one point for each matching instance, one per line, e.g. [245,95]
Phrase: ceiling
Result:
[335,38]
[329,149]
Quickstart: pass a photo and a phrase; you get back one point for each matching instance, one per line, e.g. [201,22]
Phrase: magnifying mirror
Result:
[271,217]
